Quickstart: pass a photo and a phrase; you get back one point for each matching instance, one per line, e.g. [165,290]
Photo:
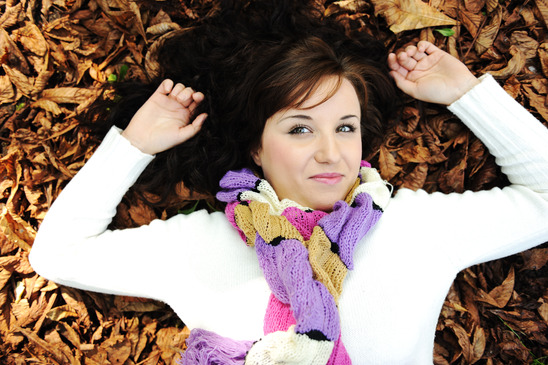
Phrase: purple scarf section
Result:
[298,297]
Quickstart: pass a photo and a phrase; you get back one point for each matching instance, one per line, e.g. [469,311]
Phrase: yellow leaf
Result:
[404,15]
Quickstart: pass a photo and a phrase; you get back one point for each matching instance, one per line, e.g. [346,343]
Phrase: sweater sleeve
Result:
[476,227]
[73,246]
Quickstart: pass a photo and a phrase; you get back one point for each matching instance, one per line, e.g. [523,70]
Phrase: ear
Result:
[256,155]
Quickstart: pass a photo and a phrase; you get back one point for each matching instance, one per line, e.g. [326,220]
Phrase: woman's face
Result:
[312,156]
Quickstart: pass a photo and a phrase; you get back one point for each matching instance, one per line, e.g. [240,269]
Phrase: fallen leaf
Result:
[31,38]
[502,293]
[515,64]
[415,180]
[387,164]
[488,33]
[534,259]
[542,6]
[527,45]
[345,5]
[404,15]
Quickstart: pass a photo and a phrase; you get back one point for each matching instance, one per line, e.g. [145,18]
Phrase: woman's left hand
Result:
[427,73]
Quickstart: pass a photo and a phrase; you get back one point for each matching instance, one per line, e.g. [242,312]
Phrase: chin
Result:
[325,206]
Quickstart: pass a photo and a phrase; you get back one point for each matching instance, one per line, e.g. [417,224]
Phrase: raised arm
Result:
[73,246]
[484,225]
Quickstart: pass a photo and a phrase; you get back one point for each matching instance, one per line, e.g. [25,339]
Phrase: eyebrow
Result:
[307,117]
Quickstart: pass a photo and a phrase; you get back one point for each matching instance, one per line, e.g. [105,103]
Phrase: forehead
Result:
[326,102]
[333,89]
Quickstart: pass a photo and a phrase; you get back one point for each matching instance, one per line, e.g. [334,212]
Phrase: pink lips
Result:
[328,178]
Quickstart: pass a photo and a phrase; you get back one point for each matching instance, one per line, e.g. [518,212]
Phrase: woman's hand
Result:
[164,120]
[427,73]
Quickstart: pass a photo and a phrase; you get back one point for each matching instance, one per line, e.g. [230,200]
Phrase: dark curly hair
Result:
[250,62]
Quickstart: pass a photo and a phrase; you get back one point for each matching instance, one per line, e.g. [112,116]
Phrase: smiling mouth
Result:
[328,178]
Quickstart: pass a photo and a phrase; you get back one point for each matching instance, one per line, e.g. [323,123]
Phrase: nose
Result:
[328,149]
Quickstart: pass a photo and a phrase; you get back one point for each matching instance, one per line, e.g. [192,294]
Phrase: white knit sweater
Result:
[404,267]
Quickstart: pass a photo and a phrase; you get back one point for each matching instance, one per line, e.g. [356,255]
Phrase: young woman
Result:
[316,216]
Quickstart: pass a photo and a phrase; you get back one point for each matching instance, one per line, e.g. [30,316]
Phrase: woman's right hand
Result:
[164,119]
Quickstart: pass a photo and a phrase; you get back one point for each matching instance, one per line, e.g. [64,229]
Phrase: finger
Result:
[185,97]
[427,47]
[197,97]
[165,87]
[394,65]
[190,130]
[407,62]
[418,51]
[393,62]
[177,89]
[410,50]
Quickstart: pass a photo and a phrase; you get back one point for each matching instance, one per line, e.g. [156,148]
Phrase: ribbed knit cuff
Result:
[512,134]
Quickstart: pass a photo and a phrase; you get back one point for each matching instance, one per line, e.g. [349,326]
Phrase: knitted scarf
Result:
[304,255]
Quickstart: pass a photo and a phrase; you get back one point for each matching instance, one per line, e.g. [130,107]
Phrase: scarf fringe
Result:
[208,348]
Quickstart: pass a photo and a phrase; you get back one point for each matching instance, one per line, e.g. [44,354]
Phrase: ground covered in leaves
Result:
[57,55]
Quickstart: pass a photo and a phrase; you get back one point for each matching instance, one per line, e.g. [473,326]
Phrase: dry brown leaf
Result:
[502,293]
[534,259]
[453,180]
[492,5]
[23,84]
[542,6]
[478,345]
[59,313]
[353,6]
[462,337]
[54,349]
[471,21]
[415,180]
[489,32]
[387,164]
[415,154]
[31,38]
[69,95]
[537,101]
[6,90]
[12,15]
[527,45]
[132,304]
[474,6]
[404,15]
[119,353]
[16,229]
[515,64]
[484,297]
[543,310]
[512,86]
[49,106]
[70,334]
[171,340]
[162,28]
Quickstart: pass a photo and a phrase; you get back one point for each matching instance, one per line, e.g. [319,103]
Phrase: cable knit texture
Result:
[304,255]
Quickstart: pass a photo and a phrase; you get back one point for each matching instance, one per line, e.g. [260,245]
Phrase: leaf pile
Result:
[58,55]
